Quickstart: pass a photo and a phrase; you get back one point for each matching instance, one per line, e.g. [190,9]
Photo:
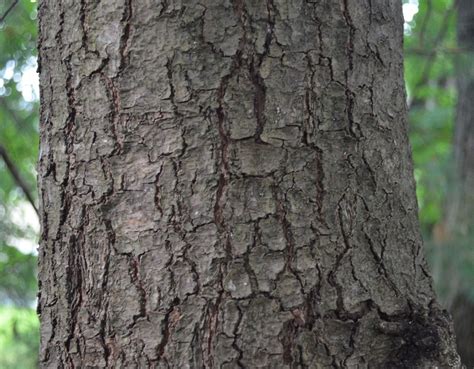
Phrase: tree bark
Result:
[228,184]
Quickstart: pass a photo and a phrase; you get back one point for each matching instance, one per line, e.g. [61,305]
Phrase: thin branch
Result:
[9,9]
[17,177]
[429,8]
[426,52]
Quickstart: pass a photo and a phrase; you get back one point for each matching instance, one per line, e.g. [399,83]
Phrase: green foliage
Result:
[18,117]
[432,58]
[19,138]
[19,334]
[19,338]
[18,276]
[430,50]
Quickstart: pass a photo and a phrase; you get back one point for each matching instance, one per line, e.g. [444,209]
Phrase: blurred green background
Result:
[432,56]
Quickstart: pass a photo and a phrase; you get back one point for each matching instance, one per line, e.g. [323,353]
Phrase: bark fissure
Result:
[228,185]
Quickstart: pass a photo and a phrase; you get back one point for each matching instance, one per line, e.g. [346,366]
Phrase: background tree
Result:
[460,209]
[443,179]
[236,174]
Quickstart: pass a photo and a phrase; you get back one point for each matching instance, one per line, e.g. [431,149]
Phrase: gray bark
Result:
[228,184]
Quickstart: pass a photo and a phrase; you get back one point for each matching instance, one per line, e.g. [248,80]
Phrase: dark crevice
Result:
[137,281]
[171,318]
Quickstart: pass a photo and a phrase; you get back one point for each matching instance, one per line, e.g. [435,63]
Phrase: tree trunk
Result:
[460,209]
[228,184]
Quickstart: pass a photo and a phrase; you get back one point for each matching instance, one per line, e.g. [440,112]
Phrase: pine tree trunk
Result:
[228,184]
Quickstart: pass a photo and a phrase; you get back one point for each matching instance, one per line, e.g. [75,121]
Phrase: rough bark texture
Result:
[228,184]
[460,210]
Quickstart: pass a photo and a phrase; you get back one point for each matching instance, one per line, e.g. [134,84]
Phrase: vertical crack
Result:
[235,332]
[115,107]
[169,74]
[213,323]
[347,248]
[157,197]
[125,36]
[353,126]
[270,29]
[173,315]
[380,264]
[104,286]
[223,167]
[287,234]
[137,281]
[352,29]
[258,101]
